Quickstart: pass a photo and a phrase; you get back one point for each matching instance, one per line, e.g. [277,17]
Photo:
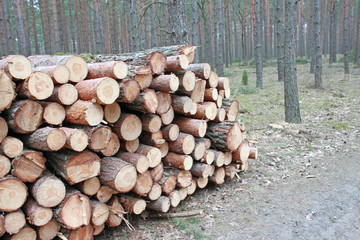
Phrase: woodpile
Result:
[81,145]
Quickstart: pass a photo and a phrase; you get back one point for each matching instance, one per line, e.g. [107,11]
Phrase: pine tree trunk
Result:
[195,22]
[333,9]
[179,32]
[280,39]
[99,28]
[20,28]
[317,43]
[357,42]
[220,42]
[258,44]
[34,28]
[9,31]
[346,37]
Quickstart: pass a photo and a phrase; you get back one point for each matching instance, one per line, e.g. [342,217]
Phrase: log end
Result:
[54,114]
[207,70]
[61,74]
[94,114]
[78,68]
[13,194]
[5,166]
[78,141]
[188,81]
[125,179]
[40,85]
[50,192]
[157,63]
[67,94]
[120,69]
[107,91]
[56,139]
[142,164]
[19,67]
[112,112]
[188,144]
[174,82]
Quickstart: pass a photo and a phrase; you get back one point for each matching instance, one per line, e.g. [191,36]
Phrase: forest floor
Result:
[304,185]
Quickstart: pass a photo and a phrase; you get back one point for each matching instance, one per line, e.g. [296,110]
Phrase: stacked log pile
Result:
[81,145]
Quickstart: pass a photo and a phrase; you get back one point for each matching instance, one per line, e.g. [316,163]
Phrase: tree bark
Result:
[357,42]
[49,230]
[220,42]
[225,135]
[140,162]
[133,205]
[280,40]
[258,44]
[36,214]
[317,43]
[177,20]
[20,28]
[99,28]
[346,37]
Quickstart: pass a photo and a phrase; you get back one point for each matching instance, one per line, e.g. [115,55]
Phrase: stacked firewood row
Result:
[81,145]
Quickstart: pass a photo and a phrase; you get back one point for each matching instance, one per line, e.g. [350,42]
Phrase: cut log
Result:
[11,147]
[152,139]
[245,166]
[219,101]
[152,153]
[187,81]
[192,188]
[84,113]
[144,183]
[198,94]
[222,93]
[74,167]
[253,154]
[212,82]
[112,147]
[129,146]
[161,205]
[7,94]
[150,122]
[54,113]
[29,165]
[59,74]
[129,91]
[206,141]
[171,132]
[225,135]
[164,149]
[174,198]
[206,110]
[200,170]
[117,212]
[155,192]
[165,83]
[24,116]
[74,211]
[223,83]
[100,213]
[104,194]
[176,63]
[133,205]
[117,174]
[128,127]
[36,214]
[194,108]
[164,102]
[241,154]
[113,69]
[184,162]
[183,193]
[199,150]
[201,182]
[183,177]
[49,230]
[168,117]
[46,139]
[191,126]
[13,194]
[219,158]
[144,79]
[14,222]
[26,232]
[3,129]
[5,166]
[76,65]
[103,90]
[38,86]
[18,66]
[168,183]
[220,116]
[112,112]
[209,157]
[231,107]
[76,139]
[83,233]
[201,70]
[212,170]
[98,229]
[211,94]
[219,177]
[48,190]
[65,94]
[186,50]
[140,161]
[181,104]
[90,186]
[99,136]
[184,144]
[231,170]
[146,102]
[157,172]
[228,158]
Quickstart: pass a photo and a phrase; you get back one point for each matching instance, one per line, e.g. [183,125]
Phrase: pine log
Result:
[59,74]
[192,188]
[164,102]
[84,113]
[14,222]
[241,154]
[212,82]
[253,154]
[37,215]
[165,83]
[184,162]
[27,232]
[191,126]
[219,177]
[187,81]
[54,113]
[89,187]
[13,194]
[5,166]
[117,174]
[112,112]
[112,146]
[183,193]
[245,166]
[164,149]
[219,157]
[3,129]
[11,147]
[184,144]
[157,172]
[150,122]
[46,139]
[168,117]
[98,229]
[128,127]
[74,167]
[74,211]
[160,205]
[212,169]
[129,146]
[18,66]
[7,94]
[113,69]
[77,66]
[152,153]
[170,132]
[206,141]
[223,83]
[181,104]
[155,192]
[29,165]
[187,50]
[129,91]
[219,101]
[174,198]
[231,170]
[222,93]
[76,139]
[38,86]
[24,116]
[211,94]
[143,77]
[152,139]
[99,136]
[201,182]
[225,135]
[183,177]
[200,170]
[194,107]
[168,183]
[206,110]
[146,102]
[209,157]
[65,94]
[83,233]
[231,107]
[228,158]
[49,230]
[199,150]
[117,212]
[201,70]
[198,93]
[100,213]
[104,194]
[176,63]
[220,116]
[133,205]
[144,183]
[48,190]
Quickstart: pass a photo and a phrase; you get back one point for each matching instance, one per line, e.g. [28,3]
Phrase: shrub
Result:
[245,78]
[302,61]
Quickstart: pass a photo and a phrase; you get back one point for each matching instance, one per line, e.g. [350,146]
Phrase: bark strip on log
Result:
[201,70]
[113,69]
[184,162]
[225,135]
[76,139]
[133,205]
[59,74]
[140,161]
[161,205]
[46,139]
[171,132]
[176,63]
[157,172]
[191,126]
[165,83]
[112,147]
[29,166]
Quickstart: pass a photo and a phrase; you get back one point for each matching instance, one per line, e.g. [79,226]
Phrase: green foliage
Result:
[59,54]
[236,60]
[357,64]
[245,78]
[247,90]
[302,61]
[351,55]
[191,227]
[88,57]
